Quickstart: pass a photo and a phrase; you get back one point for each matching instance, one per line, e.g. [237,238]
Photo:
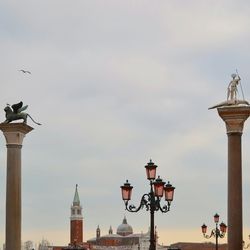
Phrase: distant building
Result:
[123,239]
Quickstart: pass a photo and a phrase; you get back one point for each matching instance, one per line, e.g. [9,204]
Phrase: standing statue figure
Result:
[232,87]
[232,92]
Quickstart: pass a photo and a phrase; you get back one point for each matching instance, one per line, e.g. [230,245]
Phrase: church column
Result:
[14,134]
[234,117]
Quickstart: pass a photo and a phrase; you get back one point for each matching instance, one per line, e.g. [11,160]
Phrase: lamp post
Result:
[151,201]
[217,232]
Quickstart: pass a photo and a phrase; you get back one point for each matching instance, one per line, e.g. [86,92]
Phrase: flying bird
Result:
[25,71]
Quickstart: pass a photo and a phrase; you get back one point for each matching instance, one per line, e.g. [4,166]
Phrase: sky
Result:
[114,84]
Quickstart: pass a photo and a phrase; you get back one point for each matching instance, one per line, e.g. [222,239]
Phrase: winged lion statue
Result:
[15,112]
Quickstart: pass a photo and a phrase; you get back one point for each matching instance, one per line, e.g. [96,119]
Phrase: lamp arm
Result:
[209,236]
[144,202]
[221,234]
[165,208]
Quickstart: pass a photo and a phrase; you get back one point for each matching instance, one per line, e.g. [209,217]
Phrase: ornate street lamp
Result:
[217,232]
[151,201]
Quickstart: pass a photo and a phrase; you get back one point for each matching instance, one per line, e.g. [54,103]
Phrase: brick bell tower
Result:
[76,221]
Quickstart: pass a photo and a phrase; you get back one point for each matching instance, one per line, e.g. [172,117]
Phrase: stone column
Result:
[14,134]
[234,117]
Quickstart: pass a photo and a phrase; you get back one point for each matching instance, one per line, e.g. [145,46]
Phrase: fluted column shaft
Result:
[14,134]
[13,197]
[234,191]
[234,118]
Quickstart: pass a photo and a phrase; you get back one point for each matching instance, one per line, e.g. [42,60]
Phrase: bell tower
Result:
[76,221]
[98,232]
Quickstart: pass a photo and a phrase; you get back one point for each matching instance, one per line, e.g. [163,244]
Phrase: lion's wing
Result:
[22,108]
[17,106]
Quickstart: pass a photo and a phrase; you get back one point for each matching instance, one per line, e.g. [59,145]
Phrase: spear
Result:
[240,85]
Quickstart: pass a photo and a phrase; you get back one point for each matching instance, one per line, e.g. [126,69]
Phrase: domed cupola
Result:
[124,229]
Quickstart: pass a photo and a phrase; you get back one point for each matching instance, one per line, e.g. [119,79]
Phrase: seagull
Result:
[25,71]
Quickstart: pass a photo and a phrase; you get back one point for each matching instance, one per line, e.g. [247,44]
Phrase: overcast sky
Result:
[115,83]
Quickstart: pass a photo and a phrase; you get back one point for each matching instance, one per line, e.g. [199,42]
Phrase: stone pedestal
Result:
[14,134]
[234,118]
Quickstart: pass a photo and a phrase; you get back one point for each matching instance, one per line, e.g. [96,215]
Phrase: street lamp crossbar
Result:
[215,233]
[151,202]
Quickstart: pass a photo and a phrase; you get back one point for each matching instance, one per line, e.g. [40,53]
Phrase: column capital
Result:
[234,117]
[15,132]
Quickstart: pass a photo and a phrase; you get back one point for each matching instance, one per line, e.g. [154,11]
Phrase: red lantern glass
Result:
[169,192]
[204,229]
[151,170]
[159,187]
[216,218]
[223,227]
[126,191]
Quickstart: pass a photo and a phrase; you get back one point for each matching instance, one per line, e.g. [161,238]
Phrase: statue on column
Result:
[232,87]
[15,112]
[232,92]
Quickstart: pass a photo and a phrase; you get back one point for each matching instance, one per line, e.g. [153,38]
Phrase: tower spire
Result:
[76,201]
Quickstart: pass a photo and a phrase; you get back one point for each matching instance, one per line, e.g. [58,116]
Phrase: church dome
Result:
[124,229]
